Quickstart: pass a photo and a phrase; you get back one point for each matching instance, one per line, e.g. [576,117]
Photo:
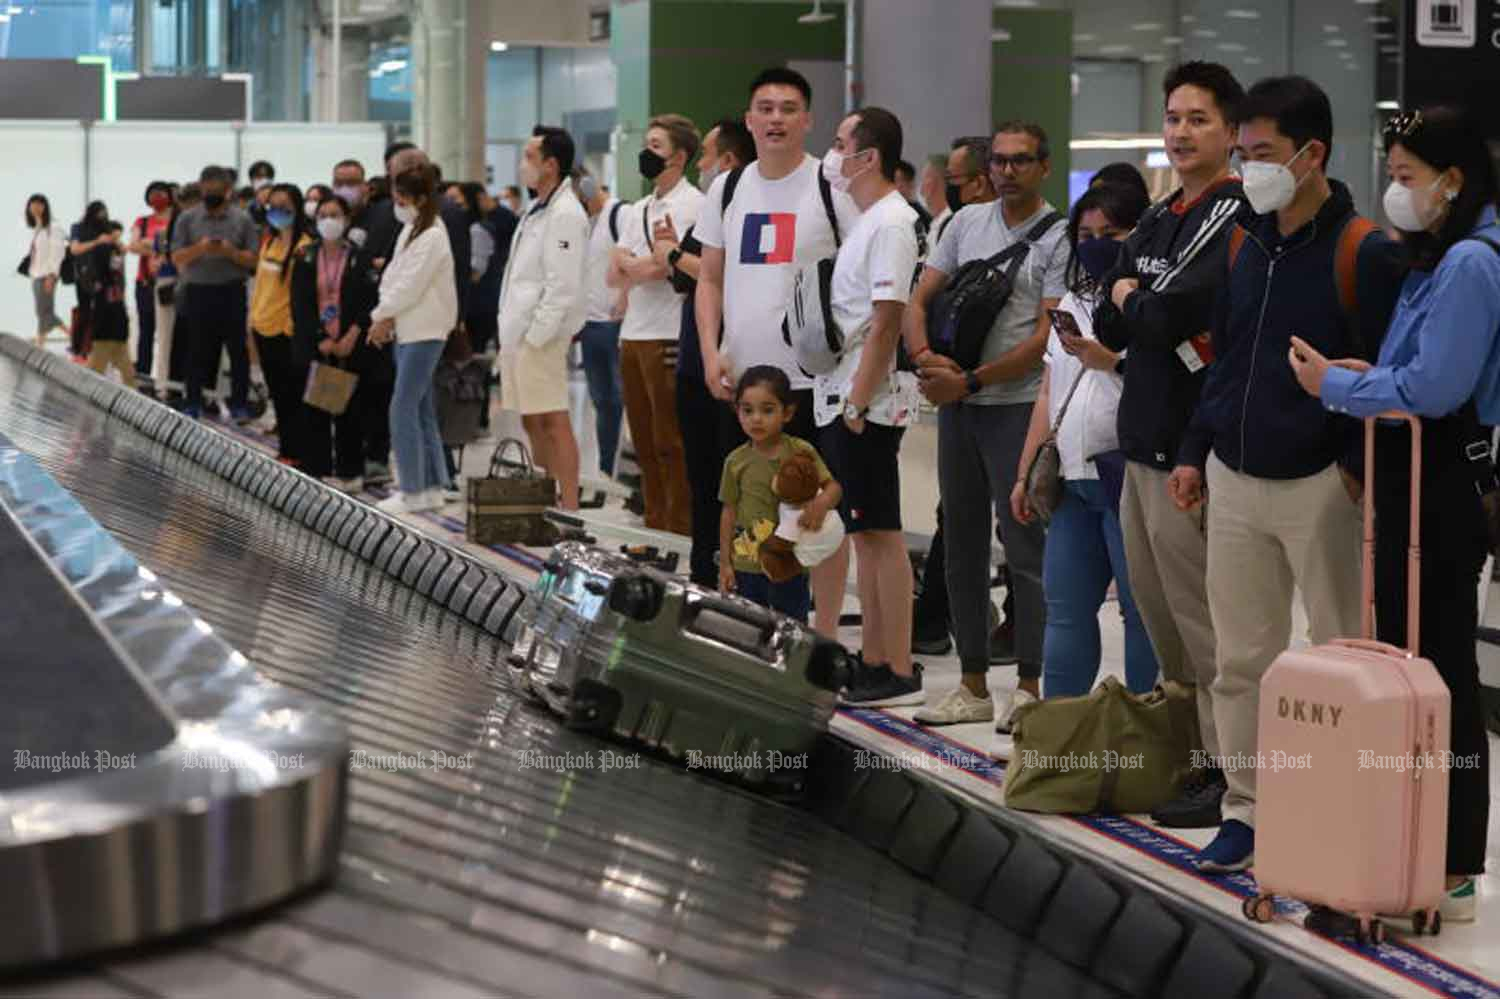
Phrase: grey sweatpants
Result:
[46,311]
[978,450]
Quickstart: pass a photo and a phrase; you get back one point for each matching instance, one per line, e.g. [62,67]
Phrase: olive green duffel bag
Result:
[1110,751]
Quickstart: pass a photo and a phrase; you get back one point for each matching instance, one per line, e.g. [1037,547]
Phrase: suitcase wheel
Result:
[594,707]
[830,667]
[636,597]
[1425,921]
[1259,908]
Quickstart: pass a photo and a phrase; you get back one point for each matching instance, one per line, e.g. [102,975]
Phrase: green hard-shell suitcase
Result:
[719,683]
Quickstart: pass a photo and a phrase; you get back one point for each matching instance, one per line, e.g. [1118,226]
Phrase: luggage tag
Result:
[1196,352]
[330,312]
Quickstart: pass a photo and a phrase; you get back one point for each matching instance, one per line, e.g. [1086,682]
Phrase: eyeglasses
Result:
[1018,162]
[1402,126]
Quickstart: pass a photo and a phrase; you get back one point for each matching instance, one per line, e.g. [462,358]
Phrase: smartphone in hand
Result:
[1064,323]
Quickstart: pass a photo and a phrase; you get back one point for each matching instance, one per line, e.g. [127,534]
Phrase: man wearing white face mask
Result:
[1281,471]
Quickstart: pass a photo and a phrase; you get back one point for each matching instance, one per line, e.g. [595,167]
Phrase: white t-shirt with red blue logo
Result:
[772,227]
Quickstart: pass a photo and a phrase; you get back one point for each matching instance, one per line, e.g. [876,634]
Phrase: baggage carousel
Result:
[483,849]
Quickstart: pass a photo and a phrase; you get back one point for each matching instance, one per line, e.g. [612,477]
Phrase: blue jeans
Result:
[420,464]
[1084,550]
[792,598]
[601,368]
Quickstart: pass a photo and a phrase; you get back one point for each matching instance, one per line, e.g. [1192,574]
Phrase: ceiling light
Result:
[1153,57]
[1243,14]
[1336,43]
[1188,18]
[498,46]
[1086,37]
[1114,49]
[1390,49]
[1230,47]
[1253,60]
[1351,65]
[1145,142]
[1331,28]
[1000,35]
[1387,105]
[1171,39]
[1205,33]
[1016,3]
[1146,26]
[392,66]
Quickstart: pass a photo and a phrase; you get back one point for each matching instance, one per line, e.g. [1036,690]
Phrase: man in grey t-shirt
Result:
[983,417]
[214,246]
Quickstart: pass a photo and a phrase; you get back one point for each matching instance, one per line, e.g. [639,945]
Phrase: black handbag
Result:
[24,267]
[964,312]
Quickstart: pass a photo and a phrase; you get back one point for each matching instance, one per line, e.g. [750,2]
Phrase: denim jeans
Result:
[1084,550]
[420,465]
[792,598]
[601,368]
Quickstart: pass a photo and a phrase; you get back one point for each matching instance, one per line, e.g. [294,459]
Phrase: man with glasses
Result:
[984,414]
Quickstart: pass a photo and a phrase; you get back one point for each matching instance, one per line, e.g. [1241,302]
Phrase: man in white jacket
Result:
[542,304]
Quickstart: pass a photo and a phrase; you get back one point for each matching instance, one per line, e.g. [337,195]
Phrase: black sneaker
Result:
[1003,645]
[863,675]
[930,643]
[1197,807]
[887,690]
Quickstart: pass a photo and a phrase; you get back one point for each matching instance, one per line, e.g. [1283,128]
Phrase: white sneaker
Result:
[1018,698]
[957,707]
[1461,903]
[350,486]
[395,504]
[455,492]
[427,499]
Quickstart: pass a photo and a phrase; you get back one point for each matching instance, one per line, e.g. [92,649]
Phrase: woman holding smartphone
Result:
[1085,547]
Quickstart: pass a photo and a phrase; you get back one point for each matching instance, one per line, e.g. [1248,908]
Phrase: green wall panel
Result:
[1033,80]
[696,57]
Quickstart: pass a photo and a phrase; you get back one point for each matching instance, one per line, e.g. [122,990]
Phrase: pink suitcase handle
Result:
[1414,541]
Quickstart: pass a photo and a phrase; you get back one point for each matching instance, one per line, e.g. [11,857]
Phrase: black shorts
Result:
[867,466]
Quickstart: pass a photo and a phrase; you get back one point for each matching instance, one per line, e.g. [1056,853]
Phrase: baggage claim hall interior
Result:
[700,498]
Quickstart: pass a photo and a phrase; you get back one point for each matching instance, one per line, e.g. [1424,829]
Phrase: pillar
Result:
[1032,80]
[439,32]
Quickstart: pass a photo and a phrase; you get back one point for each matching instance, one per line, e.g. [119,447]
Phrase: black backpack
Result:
[964,312]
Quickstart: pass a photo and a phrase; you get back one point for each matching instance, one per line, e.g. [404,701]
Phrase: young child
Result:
[111,321]
[763,400]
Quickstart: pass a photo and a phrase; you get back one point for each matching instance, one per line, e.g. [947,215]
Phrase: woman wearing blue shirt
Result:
[1440,360]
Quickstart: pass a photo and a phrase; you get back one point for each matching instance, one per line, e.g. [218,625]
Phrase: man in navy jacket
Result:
[1281,470]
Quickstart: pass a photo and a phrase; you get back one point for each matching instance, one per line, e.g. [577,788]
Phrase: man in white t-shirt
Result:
[653,319]
[599,341]
[757,226]
[864,405]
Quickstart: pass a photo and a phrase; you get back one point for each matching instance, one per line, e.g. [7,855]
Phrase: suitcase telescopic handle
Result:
[1414,539]
[702,609]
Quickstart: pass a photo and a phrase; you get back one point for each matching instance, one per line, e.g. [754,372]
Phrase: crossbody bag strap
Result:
[1062,414]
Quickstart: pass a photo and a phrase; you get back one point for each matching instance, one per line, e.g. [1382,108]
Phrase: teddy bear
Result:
[791,549]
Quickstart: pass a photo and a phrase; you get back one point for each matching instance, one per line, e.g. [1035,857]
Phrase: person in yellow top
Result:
[271,318]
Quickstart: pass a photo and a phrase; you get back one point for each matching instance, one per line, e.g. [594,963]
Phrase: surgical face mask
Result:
[352,193]
[651,164]
[330,228]
[833,171]
[159,200]
[310,209]
[587,188]
[531,175]
[1402,209]
[213,199]
[953,195]
[279,218]
[1270,187]
[1096,256]
[406,214]
[260,182]
[706,176]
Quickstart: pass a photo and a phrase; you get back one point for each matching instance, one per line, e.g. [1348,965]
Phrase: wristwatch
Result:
[853,412]
[971,380]
[674,255]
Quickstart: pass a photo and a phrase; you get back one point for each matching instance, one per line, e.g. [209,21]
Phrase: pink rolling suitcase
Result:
[1352,801]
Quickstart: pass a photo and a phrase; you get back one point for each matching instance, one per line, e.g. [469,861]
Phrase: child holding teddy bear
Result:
[777,496]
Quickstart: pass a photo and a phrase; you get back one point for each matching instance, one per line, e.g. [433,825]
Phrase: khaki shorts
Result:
[535,379]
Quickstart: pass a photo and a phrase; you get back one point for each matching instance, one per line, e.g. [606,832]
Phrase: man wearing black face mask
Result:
[653,319]
[214,244]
